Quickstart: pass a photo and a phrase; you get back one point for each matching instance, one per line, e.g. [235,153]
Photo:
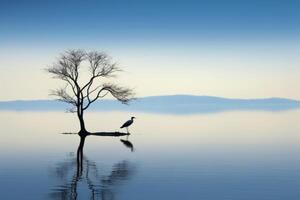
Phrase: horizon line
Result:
[170,95]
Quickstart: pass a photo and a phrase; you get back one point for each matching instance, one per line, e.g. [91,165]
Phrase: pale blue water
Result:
[231,155]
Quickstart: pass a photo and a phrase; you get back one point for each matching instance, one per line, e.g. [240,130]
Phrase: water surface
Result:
[230,155]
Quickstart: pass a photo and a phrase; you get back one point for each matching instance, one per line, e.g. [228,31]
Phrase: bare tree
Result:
[81,89]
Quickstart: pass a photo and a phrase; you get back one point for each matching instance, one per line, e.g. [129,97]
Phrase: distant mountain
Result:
[175,104]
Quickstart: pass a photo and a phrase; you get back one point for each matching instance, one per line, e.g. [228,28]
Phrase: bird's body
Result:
[128,123]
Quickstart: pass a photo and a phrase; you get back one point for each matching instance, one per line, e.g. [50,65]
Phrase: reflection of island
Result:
[77,174]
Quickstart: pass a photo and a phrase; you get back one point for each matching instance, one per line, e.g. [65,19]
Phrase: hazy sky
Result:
[239,49]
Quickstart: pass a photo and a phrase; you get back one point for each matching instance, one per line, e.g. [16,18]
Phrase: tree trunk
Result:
[83,131]
[82,124]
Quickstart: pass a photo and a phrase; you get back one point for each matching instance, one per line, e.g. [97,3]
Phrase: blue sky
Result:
[59,20]
[224,48]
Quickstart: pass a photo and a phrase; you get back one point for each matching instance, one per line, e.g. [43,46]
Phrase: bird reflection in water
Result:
[127,143]
[79,177]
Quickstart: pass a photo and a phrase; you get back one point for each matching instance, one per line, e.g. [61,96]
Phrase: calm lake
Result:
[236,155]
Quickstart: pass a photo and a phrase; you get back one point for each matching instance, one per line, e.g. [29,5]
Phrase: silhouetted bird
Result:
[128,123]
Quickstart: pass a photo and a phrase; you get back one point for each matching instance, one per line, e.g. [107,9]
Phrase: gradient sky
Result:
[239,49]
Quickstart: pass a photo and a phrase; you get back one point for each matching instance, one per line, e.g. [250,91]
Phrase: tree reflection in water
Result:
[79,176]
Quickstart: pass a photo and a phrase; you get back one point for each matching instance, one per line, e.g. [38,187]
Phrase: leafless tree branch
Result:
[63,96]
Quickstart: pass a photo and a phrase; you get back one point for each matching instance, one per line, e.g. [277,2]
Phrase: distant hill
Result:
[175,104]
